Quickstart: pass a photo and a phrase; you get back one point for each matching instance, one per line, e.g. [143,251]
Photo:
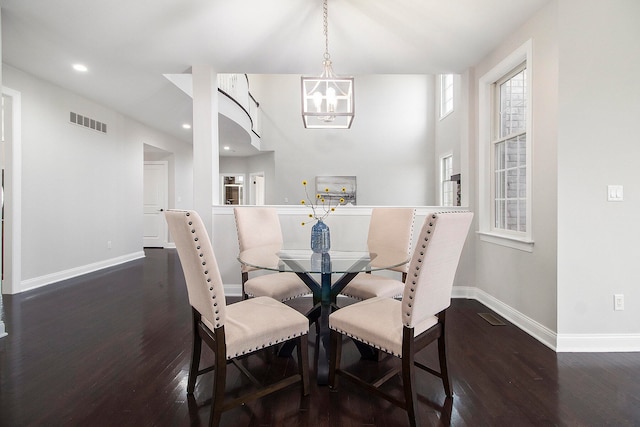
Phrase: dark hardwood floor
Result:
[112,349]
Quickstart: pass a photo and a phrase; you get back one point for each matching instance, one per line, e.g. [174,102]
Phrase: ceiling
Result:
[129,44]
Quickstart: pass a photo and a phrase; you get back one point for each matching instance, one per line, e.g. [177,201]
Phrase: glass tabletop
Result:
[306,261]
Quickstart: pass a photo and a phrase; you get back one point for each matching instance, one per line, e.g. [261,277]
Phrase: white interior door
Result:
[257,189]
[155,202]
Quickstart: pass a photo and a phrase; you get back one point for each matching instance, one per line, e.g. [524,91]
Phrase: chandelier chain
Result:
[325,17]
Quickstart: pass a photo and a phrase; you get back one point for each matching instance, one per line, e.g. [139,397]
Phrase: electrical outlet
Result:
[618,302]
[108,244]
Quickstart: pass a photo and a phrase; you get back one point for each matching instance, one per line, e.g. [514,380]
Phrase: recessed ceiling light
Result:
[80,67]
[226,147]
[186,126]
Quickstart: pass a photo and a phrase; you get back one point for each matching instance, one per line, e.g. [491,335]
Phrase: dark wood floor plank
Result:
[112,348]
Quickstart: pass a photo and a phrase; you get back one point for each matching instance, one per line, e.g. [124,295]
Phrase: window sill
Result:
[508,241]
[444,116]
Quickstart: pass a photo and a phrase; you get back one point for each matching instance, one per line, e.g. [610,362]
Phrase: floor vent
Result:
[492,319]
[79,119]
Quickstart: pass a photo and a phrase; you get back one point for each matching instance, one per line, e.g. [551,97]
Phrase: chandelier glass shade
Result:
[327,100]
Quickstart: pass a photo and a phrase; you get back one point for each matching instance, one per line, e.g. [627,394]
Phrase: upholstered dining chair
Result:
[259,227]
[403,328]
[231,331]
[390,230]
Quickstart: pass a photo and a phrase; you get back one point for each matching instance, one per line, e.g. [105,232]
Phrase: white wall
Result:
[520,282]
[389,148]
[599,107]
[80,188]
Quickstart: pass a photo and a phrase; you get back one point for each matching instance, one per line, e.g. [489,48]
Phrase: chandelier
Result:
[327,100]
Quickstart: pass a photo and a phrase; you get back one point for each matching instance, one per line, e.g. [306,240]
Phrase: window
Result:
[509,147]
[446,94]
[505,152]
[446,187]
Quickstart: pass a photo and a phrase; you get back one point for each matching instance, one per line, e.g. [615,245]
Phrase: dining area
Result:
[118,350]
[393,316]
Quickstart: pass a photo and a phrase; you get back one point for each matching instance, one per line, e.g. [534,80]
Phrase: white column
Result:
[3,332]
[206,168]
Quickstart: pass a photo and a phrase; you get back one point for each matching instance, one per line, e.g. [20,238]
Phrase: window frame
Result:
[443,178]
[522,240]
[446,95]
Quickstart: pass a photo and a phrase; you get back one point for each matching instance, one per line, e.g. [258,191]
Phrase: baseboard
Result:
[232,290]
[37,282]
[560,343]
[540,332]
[598,343]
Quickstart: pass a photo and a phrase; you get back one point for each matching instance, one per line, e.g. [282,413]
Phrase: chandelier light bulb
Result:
[332,101]
[317,101]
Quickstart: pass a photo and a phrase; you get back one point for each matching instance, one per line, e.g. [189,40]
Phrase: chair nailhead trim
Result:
[276,341]
[417,267]
[386,350]
[206,273]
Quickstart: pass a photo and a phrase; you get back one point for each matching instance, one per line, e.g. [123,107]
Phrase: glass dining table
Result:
[310,266]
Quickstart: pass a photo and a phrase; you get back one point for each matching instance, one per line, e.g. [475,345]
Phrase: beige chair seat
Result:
[279,286]
[376,322]
[270,323]
[365,286]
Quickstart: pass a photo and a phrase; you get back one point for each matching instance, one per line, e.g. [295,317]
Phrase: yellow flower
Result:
[321,207]
[344,190]
[341,199]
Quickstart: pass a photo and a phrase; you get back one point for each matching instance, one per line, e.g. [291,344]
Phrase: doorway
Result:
[256,193]
[232,189]
[156,194]
[12,191]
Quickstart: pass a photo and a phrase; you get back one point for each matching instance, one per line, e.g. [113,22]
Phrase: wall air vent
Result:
[87,122]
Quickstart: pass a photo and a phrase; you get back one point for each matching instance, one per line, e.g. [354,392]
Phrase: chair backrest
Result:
[433,265]
[257,227]
[391,230]
[201,273]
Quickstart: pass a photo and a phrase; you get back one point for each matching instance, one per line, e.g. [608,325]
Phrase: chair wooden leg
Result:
[442,356]
[334,362]
[245,277]
[303,362]
[219,381]
[408,377]
[196,351]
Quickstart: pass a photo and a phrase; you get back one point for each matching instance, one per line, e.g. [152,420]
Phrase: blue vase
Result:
[320,238]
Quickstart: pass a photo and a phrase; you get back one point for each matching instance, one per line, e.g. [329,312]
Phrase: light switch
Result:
[615,193]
